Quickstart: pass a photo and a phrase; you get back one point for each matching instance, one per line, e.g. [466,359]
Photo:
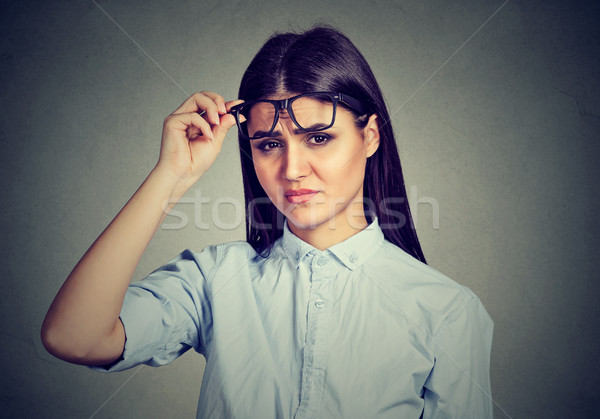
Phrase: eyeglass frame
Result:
[286,104]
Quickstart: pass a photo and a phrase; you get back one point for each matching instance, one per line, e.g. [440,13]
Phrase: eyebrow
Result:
[297,131]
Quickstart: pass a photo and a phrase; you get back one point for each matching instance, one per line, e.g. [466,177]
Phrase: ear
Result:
[371,135]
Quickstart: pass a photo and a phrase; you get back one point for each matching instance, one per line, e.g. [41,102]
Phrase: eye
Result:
[268,145]
[319,139]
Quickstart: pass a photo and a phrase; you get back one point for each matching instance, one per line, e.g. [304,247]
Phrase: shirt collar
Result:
[352,252]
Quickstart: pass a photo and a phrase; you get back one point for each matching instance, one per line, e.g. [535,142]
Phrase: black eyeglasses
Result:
[310,112]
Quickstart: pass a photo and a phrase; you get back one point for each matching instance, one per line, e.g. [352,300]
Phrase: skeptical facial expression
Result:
[315,178]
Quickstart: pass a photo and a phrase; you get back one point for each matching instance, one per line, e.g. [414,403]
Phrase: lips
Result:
[299,196]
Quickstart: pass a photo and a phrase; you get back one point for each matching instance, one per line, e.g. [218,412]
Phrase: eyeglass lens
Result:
[311,113]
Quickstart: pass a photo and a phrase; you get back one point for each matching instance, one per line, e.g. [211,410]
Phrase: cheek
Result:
[260,174]
[259,168]
[346,168]
[266,177]
[352,177]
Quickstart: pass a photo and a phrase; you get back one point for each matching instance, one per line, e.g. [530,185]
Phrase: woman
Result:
[328,310]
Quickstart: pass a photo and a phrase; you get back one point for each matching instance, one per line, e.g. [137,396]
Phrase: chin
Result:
[308,218]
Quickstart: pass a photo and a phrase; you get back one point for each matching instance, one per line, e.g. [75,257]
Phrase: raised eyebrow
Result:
[297,131]
[315,127]
[264,134]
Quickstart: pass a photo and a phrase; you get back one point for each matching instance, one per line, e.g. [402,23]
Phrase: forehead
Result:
[299,97]
[280,96]
[300,105]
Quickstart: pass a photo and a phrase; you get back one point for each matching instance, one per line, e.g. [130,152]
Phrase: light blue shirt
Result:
[361,330]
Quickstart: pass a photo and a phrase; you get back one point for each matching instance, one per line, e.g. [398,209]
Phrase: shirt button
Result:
[353,258]
[321,261]
[319,304]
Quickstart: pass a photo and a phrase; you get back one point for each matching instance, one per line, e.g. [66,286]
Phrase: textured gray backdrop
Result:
[498,129]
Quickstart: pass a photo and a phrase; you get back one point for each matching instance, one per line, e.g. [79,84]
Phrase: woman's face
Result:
[316,178]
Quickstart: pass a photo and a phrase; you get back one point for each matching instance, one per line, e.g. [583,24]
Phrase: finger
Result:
[219,101]
[199,102]
[184,121]
[227,121]
[232,103]
[198,122]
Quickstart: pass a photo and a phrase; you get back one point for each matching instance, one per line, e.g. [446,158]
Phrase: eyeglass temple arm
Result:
[353,103]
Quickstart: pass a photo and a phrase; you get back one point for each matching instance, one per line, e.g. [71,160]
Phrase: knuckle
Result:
[213,96]
[167,125]
[170,120]
[198,97]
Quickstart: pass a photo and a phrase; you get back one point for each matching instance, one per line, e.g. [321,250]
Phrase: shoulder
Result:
[232,250]
[427,295]
[220,254]
[206,261]
[407,272]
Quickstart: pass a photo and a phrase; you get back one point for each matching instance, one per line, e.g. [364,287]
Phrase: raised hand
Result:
[193,136]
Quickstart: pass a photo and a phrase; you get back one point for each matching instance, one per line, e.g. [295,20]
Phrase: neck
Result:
[331,232]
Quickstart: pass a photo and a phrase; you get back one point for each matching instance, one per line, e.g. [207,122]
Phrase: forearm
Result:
[82,324]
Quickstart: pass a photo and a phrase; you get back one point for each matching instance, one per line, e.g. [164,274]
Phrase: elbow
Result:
[59,345]
[49,338]
[61,342]
[62,345]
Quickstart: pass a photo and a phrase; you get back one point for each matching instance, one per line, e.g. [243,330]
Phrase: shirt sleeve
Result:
[168,312]
[459,383]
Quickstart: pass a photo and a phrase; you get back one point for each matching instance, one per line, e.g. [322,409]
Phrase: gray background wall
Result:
[498,128]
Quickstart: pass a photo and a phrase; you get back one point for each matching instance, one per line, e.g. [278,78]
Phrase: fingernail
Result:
[215,118]
[222,108]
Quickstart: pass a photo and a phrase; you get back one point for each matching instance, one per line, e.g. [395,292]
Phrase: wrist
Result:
[172,185]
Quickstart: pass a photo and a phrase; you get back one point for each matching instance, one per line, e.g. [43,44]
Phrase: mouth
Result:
[299,196]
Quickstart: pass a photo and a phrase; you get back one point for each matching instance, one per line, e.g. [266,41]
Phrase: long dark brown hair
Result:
[324,59]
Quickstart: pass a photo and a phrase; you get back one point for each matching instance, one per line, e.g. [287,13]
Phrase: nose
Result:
[295,165]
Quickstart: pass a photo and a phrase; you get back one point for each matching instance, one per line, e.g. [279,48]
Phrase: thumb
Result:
[227,121]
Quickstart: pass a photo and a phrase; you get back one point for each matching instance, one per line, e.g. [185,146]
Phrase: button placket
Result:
[317,332]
